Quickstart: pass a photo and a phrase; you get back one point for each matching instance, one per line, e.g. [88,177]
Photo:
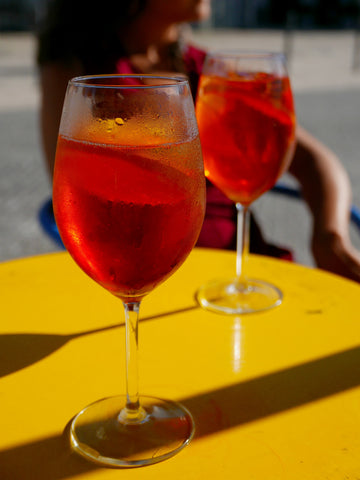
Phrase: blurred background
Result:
[321,40]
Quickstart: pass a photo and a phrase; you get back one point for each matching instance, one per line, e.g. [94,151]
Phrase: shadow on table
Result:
[213,411]
[19,350]
[275,392]
[48,458]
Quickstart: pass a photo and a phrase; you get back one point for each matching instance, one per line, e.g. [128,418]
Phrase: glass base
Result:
[100,434]
[232,297]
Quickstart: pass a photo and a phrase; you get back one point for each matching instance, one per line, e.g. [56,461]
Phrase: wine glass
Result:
[129,201]
[246,120]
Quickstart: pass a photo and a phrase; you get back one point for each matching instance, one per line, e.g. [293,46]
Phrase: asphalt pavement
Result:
[326,86]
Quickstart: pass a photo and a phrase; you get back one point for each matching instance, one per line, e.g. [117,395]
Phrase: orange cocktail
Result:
[129,201]
[246,118]
[128,217]
[247,132]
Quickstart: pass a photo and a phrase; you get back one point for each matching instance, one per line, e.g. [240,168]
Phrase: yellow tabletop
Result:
[274,395]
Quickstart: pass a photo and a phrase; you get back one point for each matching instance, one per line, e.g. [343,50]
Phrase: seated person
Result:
[148,36]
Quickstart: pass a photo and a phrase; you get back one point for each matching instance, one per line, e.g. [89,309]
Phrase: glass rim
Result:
[246,54]
[89,81]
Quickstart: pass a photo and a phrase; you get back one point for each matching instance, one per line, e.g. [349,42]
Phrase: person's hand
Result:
[335,254]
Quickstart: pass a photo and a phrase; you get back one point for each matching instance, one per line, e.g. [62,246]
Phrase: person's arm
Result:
[327,191]
[54,78]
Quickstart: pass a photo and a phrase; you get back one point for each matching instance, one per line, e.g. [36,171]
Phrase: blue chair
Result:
[47,220]
[48,224]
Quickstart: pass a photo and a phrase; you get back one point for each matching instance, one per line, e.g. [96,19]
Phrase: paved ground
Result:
[327,94]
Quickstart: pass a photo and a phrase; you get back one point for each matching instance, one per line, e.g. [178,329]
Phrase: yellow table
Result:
[274,395]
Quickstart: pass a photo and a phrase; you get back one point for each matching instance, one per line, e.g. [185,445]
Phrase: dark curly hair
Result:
[86,31]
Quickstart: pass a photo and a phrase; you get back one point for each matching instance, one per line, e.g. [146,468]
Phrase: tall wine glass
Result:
[129,200]
[246,119]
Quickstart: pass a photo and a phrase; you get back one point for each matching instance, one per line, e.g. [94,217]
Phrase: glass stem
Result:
[242,242]
[132,413]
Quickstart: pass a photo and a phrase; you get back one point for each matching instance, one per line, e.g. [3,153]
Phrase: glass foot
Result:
[232,297]
[99,434]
